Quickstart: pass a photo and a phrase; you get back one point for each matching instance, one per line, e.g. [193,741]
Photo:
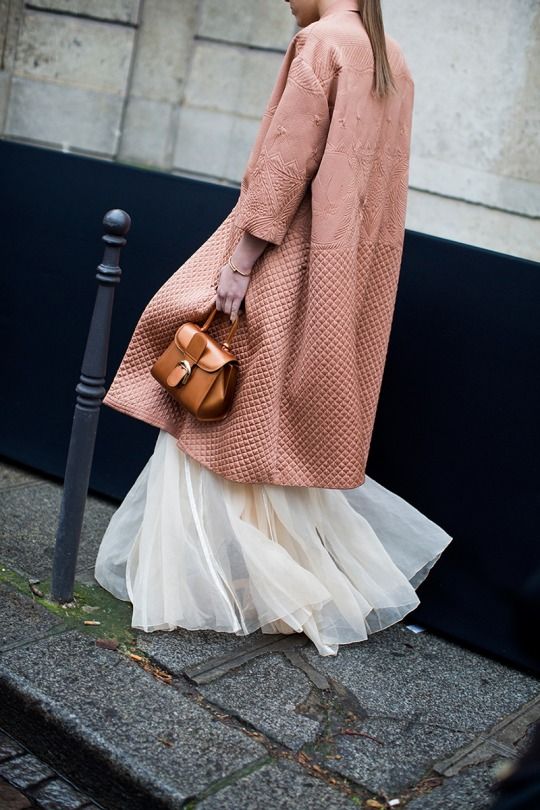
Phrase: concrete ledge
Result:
[105,729]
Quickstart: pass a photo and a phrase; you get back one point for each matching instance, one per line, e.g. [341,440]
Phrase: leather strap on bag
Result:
[232,330]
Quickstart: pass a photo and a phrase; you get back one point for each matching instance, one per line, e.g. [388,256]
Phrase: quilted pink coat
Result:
[326,184]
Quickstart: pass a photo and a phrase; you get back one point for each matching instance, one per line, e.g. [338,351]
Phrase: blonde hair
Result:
[372,20]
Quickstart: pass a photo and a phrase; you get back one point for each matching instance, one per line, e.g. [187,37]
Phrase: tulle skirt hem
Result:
[189,548]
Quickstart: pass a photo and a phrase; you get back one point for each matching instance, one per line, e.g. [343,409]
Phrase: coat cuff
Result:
[271,230]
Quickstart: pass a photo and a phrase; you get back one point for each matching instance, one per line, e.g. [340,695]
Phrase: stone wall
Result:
[180,86]
[475,166]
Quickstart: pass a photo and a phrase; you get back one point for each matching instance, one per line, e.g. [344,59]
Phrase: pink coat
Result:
[326,183]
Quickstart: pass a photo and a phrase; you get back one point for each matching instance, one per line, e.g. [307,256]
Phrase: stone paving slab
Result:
[509,737]
[285,785]
[203,656]
[399,672]
[266,692]
[25,771]
[58,794]
[422,698]
[148,731]
[12,476]
[22,618]
[179,649]
[470,789]
[9,748]
[29,523]
[391,755]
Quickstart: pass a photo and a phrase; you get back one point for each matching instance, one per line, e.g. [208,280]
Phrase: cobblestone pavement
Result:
[26,781]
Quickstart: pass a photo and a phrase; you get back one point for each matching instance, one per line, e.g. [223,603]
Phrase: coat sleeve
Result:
[289,154]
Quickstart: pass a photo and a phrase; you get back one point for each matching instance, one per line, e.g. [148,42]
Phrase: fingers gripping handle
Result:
[232,330]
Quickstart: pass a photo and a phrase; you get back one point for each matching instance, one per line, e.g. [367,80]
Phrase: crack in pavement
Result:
[275,748]
[337,710]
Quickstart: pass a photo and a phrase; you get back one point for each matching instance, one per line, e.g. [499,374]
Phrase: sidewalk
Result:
[210,720]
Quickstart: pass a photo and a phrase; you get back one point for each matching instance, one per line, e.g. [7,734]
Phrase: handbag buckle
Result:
[187,366]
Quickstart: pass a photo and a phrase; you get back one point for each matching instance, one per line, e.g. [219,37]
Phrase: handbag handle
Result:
[232,330]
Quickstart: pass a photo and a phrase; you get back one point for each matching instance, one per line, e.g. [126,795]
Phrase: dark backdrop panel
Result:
[457,424]
[52,208]
[457,432]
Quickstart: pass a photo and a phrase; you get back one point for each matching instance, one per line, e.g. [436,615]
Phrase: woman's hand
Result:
[231,290]
[232,286]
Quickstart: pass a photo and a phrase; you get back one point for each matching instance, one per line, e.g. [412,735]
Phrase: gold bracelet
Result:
[235,269]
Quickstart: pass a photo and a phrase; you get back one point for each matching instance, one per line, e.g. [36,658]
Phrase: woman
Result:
[267,518]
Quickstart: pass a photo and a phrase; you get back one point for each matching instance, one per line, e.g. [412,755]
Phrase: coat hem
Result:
[144,416]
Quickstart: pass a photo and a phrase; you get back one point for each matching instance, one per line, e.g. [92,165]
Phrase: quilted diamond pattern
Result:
[326,184]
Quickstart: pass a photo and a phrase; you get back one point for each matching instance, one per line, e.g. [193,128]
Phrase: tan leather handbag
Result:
[198,372]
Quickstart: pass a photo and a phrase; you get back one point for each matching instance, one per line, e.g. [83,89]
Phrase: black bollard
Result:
[90,393]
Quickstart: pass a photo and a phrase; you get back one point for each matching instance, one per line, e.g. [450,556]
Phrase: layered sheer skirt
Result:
[189,548]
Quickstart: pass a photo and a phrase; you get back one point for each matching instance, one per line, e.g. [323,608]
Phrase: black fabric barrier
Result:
[456,432]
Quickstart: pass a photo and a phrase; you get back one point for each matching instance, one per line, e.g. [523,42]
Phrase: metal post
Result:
[90,392]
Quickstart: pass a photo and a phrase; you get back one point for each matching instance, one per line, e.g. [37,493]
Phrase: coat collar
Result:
[341,5]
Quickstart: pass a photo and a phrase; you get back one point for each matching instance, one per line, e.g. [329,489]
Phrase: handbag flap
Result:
[212,357]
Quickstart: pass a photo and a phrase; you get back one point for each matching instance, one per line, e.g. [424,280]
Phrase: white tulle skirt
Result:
[189,548]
